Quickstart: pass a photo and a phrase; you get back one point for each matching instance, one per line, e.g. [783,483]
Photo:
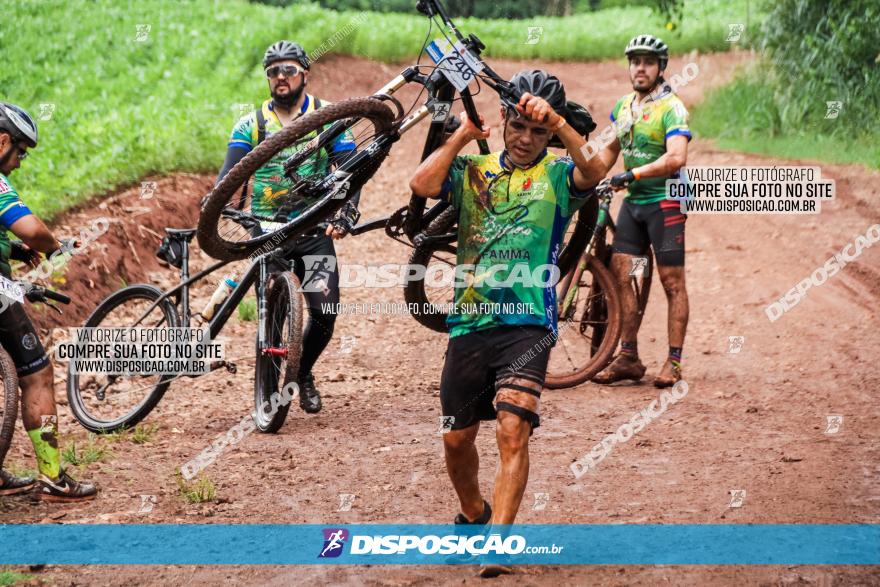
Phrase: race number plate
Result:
[456,63]
[11,289]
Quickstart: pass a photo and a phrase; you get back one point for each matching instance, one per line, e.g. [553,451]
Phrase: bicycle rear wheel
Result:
[588,332]
[278,361]
[106,403]
[9,403]
[231,228]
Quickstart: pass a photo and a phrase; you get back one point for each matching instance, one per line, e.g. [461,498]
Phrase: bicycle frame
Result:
[257,272]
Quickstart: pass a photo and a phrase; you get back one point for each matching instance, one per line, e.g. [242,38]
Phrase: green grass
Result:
[143,433]
[247,310]
[10,577]
[88,452]
[198,491]
[124,109]
[747,115]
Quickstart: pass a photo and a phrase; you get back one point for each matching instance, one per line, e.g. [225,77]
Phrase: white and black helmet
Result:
[651,45]
[18,123]
[283,50]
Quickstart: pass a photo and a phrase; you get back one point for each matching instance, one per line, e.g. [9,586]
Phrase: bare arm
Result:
[430,175]
[35,234]
[609,154]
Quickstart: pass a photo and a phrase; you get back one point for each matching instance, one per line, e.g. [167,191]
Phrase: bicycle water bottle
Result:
[227,284]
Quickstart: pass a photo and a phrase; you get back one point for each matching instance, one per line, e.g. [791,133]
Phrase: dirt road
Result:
[753,420]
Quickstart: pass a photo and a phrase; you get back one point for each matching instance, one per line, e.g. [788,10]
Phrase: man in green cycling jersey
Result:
[652,131]
[287,69]
[18,132]
[513,207]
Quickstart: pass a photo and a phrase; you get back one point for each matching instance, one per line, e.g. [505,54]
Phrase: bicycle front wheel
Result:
[588,330]
[107,403]
[9,403]
[278,360]
[232,226]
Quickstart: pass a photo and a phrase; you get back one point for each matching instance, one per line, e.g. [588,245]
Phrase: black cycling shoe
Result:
[309,398]
[12,485]
[481,521]
[65,488]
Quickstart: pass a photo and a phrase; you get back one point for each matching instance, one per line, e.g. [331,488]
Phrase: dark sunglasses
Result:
[22,154]
[287,70]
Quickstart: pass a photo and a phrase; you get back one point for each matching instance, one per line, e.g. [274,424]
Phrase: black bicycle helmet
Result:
[18,123]
[538,82]
[283,50]
[651,45]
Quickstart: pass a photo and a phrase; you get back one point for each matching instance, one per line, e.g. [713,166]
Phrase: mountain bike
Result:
[589,304]
[108,402]
[9,402]
[321,182]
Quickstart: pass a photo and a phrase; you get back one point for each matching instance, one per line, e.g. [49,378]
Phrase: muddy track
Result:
[753,420]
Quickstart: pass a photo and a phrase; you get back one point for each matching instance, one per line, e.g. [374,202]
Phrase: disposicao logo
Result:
[334,540]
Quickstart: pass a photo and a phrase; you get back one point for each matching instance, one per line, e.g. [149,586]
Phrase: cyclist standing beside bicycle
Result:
[39,415]
[652,131]
[287,69]
[513,207]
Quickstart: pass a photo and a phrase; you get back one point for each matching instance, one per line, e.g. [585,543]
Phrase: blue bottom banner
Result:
[376,544]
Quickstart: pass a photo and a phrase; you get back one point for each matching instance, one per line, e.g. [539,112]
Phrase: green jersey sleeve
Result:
[675,120]
[243,132]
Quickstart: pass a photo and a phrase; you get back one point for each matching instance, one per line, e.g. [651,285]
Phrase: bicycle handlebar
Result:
[38,293]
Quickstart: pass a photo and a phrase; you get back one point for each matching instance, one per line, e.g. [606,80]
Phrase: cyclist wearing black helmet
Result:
[287,69]
[18,133]
[513,207]
[652,131]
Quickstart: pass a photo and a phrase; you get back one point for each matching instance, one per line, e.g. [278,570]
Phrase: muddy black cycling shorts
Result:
[19,338]
[659,225]
[499,369]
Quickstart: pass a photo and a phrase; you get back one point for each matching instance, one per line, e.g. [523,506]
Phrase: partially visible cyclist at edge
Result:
[513,207]
[18,132]
[653,134]
[287,70]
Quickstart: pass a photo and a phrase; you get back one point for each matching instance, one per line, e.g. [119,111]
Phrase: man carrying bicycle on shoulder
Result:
[18,132]
[287,69]
[513,207]
[652,131]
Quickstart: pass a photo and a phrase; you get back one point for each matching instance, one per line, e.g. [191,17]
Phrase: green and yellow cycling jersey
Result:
[642,129]
[270,185]
[510,227]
